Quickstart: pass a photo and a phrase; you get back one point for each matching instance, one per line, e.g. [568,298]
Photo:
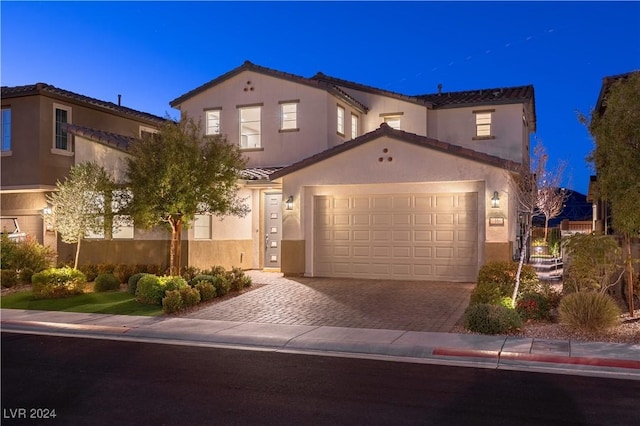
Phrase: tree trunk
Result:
[175,249]
[546,227]
[629,267]
[75,263]
[521,263]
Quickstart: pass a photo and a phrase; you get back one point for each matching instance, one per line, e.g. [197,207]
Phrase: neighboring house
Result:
[45,131]
[346,180]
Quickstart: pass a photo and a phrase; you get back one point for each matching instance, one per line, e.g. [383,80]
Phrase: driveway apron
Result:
[380,304]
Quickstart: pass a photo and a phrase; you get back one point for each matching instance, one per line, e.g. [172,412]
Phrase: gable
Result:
[415,152]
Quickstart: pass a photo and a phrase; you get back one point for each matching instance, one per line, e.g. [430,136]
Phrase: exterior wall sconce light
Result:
[46,212]
[495,200]
[289,203]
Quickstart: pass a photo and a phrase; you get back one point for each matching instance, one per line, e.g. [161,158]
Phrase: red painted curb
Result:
[475,353]
[556,359]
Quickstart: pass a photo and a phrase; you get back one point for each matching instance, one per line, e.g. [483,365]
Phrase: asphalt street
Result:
[95,381]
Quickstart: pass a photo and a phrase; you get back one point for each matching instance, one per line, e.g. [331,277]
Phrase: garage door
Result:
[414,236]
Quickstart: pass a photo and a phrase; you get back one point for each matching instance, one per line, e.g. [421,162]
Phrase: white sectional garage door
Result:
[412,236]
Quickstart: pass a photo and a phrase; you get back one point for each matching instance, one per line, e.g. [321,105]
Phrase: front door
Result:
[272,229]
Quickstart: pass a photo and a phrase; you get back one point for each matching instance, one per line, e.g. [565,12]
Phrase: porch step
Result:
[547,268]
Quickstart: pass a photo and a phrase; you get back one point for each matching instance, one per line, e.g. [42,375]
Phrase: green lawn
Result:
[113,302]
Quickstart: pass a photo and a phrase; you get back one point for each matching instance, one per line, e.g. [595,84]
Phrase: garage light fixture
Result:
[495,200]
[289,203]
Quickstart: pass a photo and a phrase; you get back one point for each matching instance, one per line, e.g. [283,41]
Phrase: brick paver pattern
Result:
[379,304]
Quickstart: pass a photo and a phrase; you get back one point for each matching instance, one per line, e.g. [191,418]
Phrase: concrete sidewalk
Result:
[499,352]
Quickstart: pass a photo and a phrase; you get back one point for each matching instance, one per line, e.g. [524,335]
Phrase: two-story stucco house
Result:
[346,180]
[45,131]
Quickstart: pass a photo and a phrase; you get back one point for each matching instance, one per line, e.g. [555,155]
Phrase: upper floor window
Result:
[392,119]
[6,129]
[250,127]
[354,126]
[340,127]
[289,115]
[212,117]
[61,138]
[147,131]
[483,123]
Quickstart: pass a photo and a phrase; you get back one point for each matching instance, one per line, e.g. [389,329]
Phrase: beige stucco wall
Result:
[412,169]
[113,160]
[228,253]
[413,118]
[280,148]
[458,126]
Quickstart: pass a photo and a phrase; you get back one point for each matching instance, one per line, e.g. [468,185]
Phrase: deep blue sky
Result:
[153,52]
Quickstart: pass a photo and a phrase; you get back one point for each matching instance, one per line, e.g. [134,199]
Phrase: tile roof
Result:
[320,76]
[114,140]
[123,143]
[49,90]
[259,173]
[249,66]
[386,130]
[607,82]
[479,97]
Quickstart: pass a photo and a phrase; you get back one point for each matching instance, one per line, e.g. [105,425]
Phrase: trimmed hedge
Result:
[106,282]
[149,290]
[491,319]
[58,282]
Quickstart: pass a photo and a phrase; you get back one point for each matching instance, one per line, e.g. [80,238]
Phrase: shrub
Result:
[533,306]
[132,282]
[491,319]
[149,290]
[58,282]
[172,302]
[27,254]
[90,270]
[189,272]
[190,296]
[25,275]
[589,311]
[221,284]
[206,289]
[237,279]
[170,283]
[124,272]
[106,268]
[498,279]
[8,277]
[594,261]
[106,282]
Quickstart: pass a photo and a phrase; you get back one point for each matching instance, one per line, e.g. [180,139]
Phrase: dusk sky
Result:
[153,52]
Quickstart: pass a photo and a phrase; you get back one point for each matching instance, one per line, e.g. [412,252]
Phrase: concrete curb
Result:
[499,352]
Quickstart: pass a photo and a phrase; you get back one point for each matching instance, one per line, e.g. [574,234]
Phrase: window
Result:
[289,116]
[202,227]
[146,132]
[213,122]
[354,126]
[125,230]
[483,124]
[393,122]
[6,129]
[250,127]
[340,120]
[61,139]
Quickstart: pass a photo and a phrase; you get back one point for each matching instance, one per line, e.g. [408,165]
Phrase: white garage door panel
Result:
[415,236]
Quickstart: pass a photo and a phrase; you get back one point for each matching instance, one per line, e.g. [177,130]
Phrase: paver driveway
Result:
[395,305]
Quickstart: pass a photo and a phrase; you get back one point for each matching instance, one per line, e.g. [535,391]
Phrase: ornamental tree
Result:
[615,128]
[177,173]
[82,205]
[535,190]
